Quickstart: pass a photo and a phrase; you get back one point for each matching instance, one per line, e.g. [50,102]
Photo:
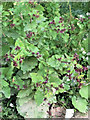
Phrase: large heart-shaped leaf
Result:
[80,104]
[25,92]
[7,72]
[31,110]
[36,77]
[84,92]
[54,78]
[6,91]
[39,95]
[29,64]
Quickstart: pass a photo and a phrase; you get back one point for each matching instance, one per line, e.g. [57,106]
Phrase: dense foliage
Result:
[44,58]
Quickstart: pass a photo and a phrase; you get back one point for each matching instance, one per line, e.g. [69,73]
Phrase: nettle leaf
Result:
[11,42]
[80,25]
[45,53]
[13,34]
[23,76]
[84,92]
[54,78]
[51,97]
[6,91]
[32,48]
[43,69]
[80,104]
[24,100]
[41,66]
[61,90]
[80,76]
[56,19]
[18,81]
[29,64]
[4,83]
[19,43]
[30,26]
[85,44]
[39,7]
[17,21]
[65,37]
[7,72]
[40,19]
[25,92]
[54,34]
[53,62]
[5,13]
[26,75]
[66,87]
[36,77]
[0,95]
[5,49]
[78,66]
[39,95]
[89,90]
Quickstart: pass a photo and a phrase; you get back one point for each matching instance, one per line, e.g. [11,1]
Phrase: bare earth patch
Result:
[58,112]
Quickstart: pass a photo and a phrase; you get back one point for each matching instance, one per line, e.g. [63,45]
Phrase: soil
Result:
[58,112]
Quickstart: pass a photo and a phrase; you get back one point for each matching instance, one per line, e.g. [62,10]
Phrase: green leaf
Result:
[65,37]
[12,34]
[24,93]
[0,95]
[7,72]
[4,83]
[89,90]
[55,79]
[66,87]
[80,104]
[26,75]
[30,26]
[36,77]
[18,81]
[78,66]
[32,48]
[5,13]
[84,92]
[6,91]
[19,43]
[5,49]
[17,21]
[32,110]
[56,19]
[23,76]
[29,64]
[61,90]
[45,53]
[51,61]
[39,95]
[24,100]
[39,7]
[80,25]
[54,34]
